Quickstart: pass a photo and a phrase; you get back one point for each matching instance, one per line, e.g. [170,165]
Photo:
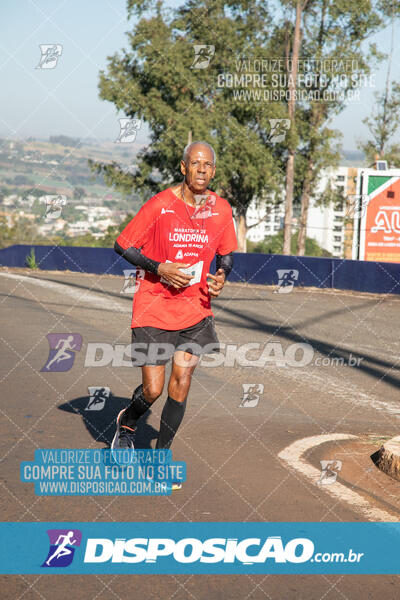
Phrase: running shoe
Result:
[124,436]
[173,486]
[176,485]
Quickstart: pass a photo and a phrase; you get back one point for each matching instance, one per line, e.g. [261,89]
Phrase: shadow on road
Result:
[101,423]
[372,365]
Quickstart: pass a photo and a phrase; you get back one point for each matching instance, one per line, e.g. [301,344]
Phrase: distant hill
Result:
[353,158]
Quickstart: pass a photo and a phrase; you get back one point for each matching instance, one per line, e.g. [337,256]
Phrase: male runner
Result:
[182,226]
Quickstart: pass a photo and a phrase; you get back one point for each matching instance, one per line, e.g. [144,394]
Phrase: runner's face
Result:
[199,169]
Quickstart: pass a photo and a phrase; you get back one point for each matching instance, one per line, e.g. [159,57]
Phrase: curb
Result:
[388,459]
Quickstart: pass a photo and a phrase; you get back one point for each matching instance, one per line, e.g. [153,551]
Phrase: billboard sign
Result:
[380,217]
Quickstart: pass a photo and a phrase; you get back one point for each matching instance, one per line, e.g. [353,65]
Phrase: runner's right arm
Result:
[170,271]
[136,258]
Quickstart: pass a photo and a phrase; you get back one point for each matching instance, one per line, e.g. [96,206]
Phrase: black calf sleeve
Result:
[136,409]
[225,262]
[171,418]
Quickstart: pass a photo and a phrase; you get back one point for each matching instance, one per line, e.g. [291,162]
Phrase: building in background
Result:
[366,225]
[326,224]
[329,224]
[264,221]
[363,222]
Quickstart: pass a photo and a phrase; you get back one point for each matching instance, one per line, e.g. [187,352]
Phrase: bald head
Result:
[197,146]
[198,166]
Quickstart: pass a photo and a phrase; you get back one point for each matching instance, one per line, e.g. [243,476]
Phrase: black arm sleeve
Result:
[225,262]
[135,257]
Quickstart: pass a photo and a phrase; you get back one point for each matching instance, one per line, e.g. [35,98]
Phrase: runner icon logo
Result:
[279,128]
[62,351]
[50,55]
[330,470]
[62,547]
[356,205]
[287,278]
[203,56]
[132,280]
[251,394]
[98,396]
[204,206]
[54,204]
[128,130]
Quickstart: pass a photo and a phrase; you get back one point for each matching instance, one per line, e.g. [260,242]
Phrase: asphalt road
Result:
[231,450]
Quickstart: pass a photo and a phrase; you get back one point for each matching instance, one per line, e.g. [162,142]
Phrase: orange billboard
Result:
[380,219]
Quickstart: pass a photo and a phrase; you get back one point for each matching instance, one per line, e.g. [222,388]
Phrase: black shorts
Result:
[153,346]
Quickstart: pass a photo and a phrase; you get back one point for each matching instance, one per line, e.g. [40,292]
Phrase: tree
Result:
[292,58]
[153,80]
[385,120]
[113,232]
[330,31]
[383,125]
[274,245]
[23,231]
[320,30]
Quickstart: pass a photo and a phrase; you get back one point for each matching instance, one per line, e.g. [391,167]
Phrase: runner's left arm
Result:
[224,262]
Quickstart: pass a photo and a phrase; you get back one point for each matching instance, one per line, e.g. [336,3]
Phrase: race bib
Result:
[194,270]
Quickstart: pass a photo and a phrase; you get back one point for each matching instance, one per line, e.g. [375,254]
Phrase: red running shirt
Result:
[168,229]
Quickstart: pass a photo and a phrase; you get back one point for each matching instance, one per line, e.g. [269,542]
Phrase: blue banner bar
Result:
[95,472]
[208,548]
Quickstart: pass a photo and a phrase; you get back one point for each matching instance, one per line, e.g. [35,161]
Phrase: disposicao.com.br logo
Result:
[247,551]
[198,547]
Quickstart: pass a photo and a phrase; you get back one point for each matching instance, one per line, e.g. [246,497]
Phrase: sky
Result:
[64,100]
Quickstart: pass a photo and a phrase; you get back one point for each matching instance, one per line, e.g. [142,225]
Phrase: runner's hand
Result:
[172,273]
[219,279]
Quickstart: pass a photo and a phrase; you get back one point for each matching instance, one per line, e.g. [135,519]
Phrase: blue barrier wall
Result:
[362,276]
[61,258]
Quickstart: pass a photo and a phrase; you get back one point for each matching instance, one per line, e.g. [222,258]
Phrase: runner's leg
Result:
[153,377]
[178,389]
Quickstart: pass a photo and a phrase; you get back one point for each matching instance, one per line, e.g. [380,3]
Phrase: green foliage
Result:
[274,245]
[383,125]
[113,232]
[31,260]
[330,196]
[22,232]
[332,30]
[153,79]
